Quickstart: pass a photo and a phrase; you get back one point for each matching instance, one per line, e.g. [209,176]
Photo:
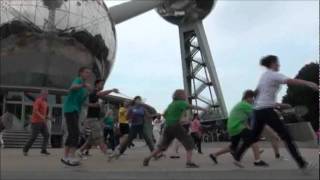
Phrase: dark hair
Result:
[98,81]
[133,102]
[268,60]
[248,94]
[195,115]
[82,69]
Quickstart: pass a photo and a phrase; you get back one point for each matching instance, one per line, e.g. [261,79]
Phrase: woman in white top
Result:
[157,123]
[265,102]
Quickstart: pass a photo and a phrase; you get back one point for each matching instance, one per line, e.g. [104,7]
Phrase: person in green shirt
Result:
[108,130]
[239,129]
[76,97]
[173,128]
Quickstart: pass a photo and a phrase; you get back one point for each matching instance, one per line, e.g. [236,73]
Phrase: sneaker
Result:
[25,153]
[175,157]
[146,162]
[114,155]
[45,152]
[213,158]
[261,164]
[307,167]
[238,164]
[159,156]
[191,165]
[69,162]
[282,158]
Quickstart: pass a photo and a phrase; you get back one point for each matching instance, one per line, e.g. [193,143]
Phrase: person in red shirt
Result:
[39,123]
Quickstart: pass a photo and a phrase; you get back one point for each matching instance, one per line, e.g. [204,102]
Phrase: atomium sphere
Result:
[181,12]
[45,42]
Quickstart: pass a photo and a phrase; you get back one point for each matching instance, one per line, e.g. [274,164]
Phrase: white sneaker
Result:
[238,164]
[74,161]
[114,155]
[308,167]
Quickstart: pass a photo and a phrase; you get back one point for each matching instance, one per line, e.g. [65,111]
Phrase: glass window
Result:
[15,109]
[51,99]
[56,118]
[14,96]
[27,112]
[30,97]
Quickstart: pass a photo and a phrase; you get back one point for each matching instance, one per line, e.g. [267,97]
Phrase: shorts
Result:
[124,128]
[244,135]
[96,133]
[176,131]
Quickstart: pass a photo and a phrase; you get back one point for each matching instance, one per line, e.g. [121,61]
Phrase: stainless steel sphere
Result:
[185,11]
[45,42]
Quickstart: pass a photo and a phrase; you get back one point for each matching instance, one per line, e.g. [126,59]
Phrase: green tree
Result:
[305,96]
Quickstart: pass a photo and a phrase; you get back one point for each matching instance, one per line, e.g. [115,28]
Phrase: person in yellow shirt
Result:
[123,120]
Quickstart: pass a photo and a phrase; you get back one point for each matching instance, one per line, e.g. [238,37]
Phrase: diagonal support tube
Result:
[128,10]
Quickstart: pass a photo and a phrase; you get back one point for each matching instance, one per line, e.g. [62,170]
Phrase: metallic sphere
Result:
[45,42]
[185,11]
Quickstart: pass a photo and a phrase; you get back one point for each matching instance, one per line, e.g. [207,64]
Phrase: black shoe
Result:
[277,156]
[191,165]
[213,158]
[261,164]
[146,162]
[45,152]
[25,153]
[174,157]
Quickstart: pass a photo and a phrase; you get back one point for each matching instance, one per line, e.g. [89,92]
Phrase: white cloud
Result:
[239,33]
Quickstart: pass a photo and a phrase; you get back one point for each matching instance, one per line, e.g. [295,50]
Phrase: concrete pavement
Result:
[35,166]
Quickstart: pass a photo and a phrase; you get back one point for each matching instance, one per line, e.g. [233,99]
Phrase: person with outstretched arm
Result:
[173,128]
[264,113]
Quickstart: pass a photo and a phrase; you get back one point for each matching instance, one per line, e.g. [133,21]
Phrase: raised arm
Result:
[197,108]
[106,92]
[300,82]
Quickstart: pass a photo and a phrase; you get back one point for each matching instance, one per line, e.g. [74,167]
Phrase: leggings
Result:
[72,121]
[269,116]
[197,140]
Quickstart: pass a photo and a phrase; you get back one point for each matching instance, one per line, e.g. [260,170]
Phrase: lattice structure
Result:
[200,77]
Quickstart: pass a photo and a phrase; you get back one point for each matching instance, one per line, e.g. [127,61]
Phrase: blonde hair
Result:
[179,94]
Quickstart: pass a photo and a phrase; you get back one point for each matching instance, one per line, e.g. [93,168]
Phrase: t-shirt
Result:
[238,117]
[195,126]
[136,115]
[41,106]
[175,111]
[123,115]
[93,112]
[108,121]
[75,98]
[268,88]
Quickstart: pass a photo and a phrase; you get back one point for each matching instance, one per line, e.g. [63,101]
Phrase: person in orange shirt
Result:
[39,123]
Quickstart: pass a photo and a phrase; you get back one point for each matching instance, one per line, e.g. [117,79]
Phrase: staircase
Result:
[18,138]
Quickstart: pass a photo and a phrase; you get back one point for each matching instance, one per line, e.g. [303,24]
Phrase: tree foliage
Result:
[306,96]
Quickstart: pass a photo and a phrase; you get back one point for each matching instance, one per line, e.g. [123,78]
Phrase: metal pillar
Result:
[199,74]
[128,10]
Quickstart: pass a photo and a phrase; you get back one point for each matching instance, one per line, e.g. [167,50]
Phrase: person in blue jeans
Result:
[136,115]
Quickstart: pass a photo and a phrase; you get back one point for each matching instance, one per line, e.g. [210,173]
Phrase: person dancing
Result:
[93,122]
[136,115]
[239,129]
[73,102]
[39,123]
[173,128]
[267,90]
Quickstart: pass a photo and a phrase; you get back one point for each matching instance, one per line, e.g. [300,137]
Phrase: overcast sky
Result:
[239,33]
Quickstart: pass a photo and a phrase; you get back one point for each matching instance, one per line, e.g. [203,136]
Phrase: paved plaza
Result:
[38,167]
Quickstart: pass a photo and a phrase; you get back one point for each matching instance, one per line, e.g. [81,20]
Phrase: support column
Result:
[199,74]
